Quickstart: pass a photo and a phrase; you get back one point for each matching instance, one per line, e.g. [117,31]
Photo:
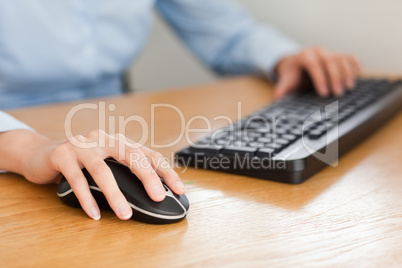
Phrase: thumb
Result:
[289,78]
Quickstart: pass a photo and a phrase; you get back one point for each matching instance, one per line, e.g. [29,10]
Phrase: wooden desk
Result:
[346,216]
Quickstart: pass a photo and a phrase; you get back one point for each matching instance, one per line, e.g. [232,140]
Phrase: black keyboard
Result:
[293,138]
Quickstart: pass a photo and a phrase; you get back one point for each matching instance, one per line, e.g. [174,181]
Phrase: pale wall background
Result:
[371,29]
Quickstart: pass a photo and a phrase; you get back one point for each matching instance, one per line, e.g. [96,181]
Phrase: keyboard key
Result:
[207,149]
[264,140]
[241,151]
[274,146]
[262,130]
[271,136]
[252,135]
[266,152]
[257,145]
[282,141]
[296,132]
[289,137]
[280,131]
[315,134]
[223,142]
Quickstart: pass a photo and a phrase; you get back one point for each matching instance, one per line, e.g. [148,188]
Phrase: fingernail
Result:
[95,213]
[125,211]
[158,192]
[181,186]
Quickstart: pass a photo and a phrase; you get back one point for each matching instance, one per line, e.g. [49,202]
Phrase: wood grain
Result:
[348,216]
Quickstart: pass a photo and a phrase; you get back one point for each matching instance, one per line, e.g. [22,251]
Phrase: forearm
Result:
[254,49]
[16,147]
[226,37]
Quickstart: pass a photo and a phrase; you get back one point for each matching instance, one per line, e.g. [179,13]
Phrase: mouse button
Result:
[123,174]
[139,199]
[117,167]
[184,201]
[70,200]
[169,206]
[88,176]
[129,181]
[64,186]
[180,198]
[135,192]
[101,200]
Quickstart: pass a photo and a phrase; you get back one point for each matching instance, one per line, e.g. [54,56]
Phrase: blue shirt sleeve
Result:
[225,37]
[8,123]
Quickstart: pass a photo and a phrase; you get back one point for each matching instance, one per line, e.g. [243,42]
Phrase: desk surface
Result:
[350,215]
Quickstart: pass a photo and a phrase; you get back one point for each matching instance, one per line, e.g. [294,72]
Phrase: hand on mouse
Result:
[330,72]
[42,161]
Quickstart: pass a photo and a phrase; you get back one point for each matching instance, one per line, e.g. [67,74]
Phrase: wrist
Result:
[283,61]
[17,147]
[273,76]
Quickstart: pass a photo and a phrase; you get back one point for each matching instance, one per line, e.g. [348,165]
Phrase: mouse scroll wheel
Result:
[166,189]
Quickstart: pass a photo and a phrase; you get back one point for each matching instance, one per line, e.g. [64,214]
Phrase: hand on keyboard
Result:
[331,73]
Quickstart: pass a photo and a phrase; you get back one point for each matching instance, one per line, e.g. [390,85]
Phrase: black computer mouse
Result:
[172,209]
